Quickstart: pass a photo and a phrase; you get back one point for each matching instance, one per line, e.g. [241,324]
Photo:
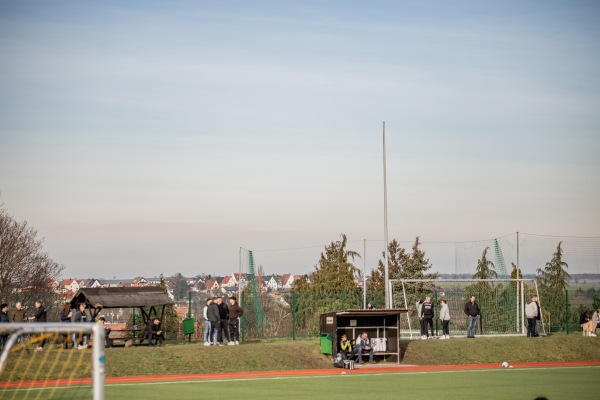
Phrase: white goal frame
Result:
[94,329]
[520,293]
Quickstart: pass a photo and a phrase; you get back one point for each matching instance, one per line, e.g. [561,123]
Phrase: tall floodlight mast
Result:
[388,303]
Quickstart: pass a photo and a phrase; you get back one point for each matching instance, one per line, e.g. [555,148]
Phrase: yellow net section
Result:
[50,364]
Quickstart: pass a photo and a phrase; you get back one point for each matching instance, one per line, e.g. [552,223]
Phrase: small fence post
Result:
[293,315]
[435,307]
[567,308]
[243,320]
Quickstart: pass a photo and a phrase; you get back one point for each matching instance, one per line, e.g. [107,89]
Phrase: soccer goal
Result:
[502,303]
[43,361]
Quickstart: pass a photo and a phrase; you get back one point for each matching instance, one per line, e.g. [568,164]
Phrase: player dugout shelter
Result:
[382,326]
[149,299]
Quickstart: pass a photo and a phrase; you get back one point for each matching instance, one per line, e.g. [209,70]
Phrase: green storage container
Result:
[188,326]
[326,343]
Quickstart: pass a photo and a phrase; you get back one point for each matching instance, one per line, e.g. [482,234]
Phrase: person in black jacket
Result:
[223,321]
[235,313]
[40,316]
[215,321]
[4,319]
[472,311]
[81,316]
[427,313]
[154,332]
[65,317]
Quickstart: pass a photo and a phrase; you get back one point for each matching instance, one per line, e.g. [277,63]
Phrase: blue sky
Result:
[160,137]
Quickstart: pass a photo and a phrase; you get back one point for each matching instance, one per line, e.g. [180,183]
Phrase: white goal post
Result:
[502,302]
[22,340]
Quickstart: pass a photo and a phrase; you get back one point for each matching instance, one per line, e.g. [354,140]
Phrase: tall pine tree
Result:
[553,281]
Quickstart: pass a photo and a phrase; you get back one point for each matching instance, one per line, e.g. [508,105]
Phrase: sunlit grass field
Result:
[527,384]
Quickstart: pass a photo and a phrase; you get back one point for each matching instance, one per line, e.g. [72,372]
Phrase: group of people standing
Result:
[17,315]
[426,313]
[222,321]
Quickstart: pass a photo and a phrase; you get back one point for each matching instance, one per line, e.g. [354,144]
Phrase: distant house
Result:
[270,282]
[69,285]
[287,281]
[211,284]
[240,279]
[228,281]
[139,282]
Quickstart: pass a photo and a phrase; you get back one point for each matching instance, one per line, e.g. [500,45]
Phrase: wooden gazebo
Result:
[96,299]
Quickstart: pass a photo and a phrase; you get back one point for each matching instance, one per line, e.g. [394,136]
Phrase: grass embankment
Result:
[497,349]
[269,355]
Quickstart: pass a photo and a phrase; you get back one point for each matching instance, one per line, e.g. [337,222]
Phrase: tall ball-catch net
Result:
[501,301]
[55,372]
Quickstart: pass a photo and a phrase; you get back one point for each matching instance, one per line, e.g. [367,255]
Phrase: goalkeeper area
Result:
[40,361]
[501,301]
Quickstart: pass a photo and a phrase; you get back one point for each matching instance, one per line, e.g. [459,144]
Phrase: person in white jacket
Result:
[531,312]
[445,317]
[596,318]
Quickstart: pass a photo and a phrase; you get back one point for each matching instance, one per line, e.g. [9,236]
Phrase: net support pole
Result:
[522,308]
[537,293]
[364,273]
[406,306]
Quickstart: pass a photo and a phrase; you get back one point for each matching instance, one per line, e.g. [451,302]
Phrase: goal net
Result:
[42,361]
[501,301]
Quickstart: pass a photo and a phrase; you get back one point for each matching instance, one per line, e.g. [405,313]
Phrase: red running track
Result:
[304,372]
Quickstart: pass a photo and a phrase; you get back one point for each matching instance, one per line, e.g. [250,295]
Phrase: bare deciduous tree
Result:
[25,269]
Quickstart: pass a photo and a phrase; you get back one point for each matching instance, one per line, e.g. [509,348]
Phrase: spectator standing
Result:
[81,316]
[235,313]
[4,319]
[472,311]
[445,318]
[65,317]
[40,316]
[427,312]
[538,319]
[363,344]
[214,318]
[207,339]
[223,321]
[421,320]
[17,314]
[531,314]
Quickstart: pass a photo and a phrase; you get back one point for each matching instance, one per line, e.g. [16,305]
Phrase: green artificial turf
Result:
[515,384]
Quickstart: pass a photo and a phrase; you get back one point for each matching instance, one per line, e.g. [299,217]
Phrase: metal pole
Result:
[240,276]
[522,308]
[385,226]
[518,273]
[364,273]
[98,354]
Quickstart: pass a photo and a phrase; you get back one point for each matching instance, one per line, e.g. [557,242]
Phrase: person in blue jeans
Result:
[472,311]
[207,328]
[363,344]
